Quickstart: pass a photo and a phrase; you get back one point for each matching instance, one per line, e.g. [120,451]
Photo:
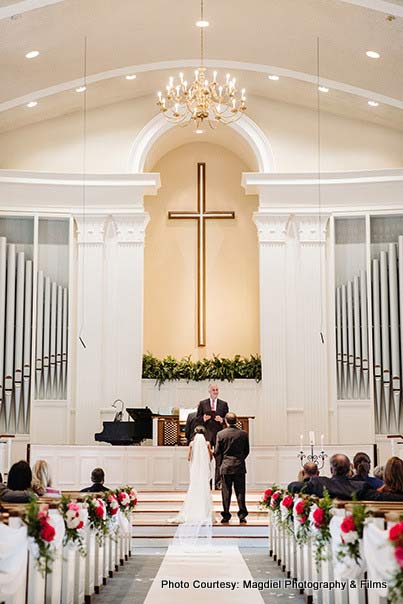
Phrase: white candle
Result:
[301,440]
[311,438]
[322,440]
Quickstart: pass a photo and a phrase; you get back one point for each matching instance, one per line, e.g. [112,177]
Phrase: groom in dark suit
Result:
[232,447]
[211,413]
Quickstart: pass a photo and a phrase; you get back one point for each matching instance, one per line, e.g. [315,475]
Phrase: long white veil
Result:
[196,515]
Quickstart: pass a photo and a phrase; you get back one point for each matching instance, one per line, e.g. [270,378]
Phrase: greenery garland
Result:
[170,369]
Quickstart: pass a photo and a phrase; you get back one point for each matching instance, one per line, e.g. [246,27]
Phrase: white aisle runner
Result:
[192,576]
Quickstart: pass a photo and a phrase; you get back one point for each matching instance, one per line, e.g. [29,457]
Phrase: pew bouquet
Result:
[42,533]
[320,517]
[97,517]
[395,535]
[267,495]
[302,524]
[74,521]
[351,533]
[127,498]
[286,512]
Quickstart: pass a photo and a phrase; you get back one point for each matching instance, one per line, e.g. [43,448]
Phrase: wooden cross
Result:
[201,216]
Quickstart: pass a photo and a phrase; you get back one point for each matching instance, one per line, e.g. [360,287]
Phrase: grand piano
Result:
[131,432]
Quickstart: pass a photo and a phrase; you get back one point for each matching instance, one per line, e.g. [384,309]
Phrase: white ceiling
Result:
[260,36]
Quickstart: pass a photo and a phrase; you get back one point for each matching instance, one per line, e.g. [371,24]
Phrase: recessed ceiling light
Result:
[32,104]
[199,131]
[323,89]
[131,77]
[81,89]
[32,54]
[372,54]
[274,78]
[202,23]
[373,104]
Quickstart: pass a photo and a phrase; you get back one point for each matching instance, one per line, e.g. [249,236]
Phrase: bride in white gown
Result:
[195,519]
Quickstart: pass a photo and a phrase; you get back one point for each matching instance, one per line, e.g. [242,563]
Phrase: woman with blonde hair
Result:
[41,480]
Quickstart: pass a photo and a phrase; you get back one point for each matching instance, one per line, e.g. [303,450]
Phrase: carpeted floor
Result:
[133,581]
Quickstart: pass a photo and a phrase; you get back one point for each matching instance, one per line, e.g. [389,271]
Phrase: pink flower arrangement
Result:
[100,509]
[73,516]
[124,498]
[47,530]
[318,517]
[274,502]
[112,504]
[396,536]
[287,501]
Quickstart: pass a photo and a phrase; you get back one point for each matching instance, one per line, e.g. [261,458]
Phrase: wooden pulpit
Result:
[171,431]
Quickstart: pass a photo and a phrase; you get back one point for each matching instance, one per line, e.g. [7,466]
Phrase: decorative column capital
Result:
[271,228]
[91,228]
[311,228]
[131,228]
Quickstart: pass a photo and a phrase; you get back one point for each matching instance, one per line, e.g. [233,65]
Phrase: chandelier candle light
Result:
[319,459]
[202,99]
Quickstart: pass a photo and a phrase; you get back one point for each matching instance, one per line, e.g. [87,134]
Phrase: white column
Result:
[129,287]
[272,233]
[312,321]
[90,292]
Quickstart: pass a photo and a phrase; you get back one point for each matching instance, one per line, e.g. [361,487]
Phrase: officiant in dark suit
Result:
[212,412]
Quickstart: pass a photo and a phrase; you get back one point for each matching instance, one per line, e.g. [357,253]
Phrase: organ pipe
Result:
[364,332]
[59,342]
[357,334]
[376,306]
[53,311]
[394,331]
[9,346]
[3,265]
[338,339]
[385,335]
[344,331]
[19,334]
[26,372]
[39,334]
[46,333]
[64,342]
[350,326]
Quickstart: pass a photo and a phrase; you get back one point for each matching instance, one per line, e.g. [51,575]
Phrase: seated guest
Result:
[392,489]
[18,488]
[362,466]
[41,480]
[339,485]
[310,469]
[98,479]
[378,472]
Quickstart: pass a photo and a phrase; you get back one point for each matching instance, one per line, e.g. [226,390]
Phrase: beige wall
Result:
[56,145]
[232,287]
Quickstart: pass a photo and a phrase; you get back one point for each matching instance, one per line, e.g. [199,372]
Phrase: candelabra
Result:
[318,459]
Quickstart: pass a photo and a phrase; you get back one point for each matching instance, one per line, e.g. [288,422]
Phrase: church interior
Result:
[201,233]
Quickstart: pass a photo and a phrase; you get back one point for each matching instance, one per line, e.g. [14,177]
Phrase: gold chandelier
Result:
[203,99]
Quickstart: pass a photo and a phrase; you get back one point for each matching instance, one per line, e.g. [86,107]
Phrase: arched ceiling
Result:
[156,38]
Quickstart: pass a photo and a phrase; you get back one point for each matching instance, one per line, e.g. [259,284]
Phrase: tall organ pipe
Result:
[26,374]
[59,342]
[376,311]
[357,335]
[19,335]
[364,331]
[39,334]
[53,310]
[3,271]
[394,331]
[338,340]
[345,346]
[64,342]
[46,332]
[350,321]
[385,335]
[9,353]
[401,303]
